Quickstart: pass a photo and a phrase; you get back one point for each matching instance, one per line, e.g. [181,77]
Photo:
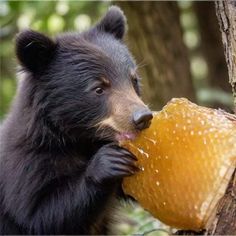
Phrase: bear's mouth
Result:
[112,134]
[123,136]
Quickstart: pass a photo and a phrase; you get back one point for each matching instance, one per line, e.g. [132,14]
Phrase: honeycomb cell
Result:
[187,157]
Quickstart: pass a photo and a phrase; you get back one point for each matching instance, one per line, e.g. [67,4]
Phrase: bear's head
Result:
[84,84]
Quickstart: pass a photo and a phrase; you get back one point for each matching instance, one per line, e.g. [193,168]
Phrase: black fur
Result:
[113,23]
[34,50]
[58,174]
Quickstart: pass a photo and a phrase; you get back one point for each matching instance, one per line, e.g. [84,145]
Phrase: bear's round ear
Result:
[34,50]
[114,22]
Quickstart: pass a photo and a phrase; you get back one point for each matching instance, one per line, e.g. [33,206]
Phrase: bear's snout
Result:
[142,118]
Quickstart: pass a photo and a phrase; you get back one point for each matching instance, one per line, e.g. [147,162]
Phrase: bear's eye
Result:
[134,77]
[135,80]
[99,91]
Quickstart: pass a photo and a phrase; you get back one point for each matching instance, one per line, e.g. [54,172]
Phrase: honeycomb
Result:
[186,158]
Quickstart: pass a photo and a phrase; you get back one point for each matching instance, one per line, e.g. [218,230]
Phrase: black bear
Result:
[60,163]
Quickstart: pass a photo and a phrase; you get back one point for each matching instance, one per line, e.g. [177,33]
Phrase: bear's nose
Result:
[142,118]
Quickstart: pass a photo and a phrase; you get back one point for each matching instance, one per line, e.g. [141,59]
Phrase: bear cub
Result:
[60,163]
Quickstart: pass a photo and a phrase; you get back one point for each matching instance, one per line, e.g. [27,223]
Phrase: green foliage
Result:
[50,17]
[137,221]
[8,88]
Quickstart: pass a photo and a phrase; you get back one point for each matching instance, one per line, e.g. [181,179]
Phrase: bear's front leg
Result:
[109,164]
[73,204]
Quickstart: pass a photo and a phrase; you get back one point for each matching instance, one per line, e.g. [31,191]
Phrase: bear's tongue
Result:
[125,136]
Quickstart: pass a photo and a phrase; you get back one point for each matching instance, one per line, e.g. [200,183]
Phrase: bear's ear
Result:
[34,50]
[114,22]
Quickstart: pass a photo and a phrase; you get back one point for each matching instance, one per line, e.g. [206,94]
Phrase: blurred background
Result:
[177,46]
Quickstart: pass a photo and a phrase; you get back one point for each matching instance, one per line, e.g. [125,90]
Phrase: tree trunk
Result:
[226,13]
[211,45]
[224,222]
[155,38]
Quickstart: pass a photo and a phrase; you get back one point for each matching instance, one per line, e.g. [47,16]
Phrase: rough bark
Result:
[211,45]
[226,14]
[155,38]
[224,222]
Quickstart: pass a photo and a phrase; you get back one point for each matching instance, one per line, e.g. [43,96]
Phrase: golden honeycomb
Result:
[186,157]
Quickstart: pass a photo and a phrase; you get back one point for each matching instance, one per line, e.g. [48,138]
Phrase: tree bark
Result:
[226,14]
[211,45]
[155,38]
